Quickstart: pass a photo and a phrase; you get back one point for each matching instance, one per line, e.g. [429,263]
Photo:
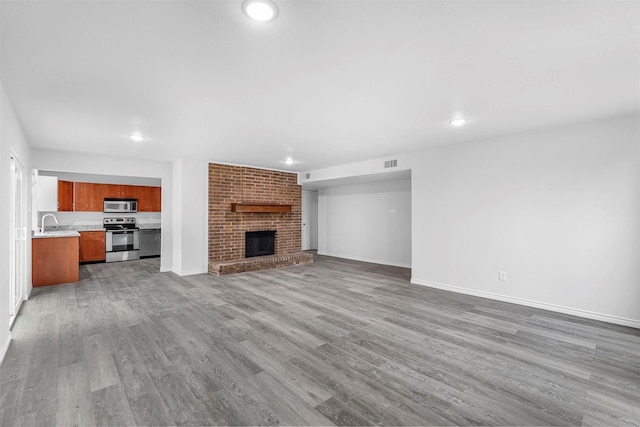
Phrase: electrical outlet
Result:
[502,275]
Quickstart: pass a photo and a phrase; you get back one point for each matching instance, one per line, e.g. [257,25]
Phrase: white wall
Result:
[191,178]
[84,163]
[367,222]
[12,138]
[557,209]
[176,170]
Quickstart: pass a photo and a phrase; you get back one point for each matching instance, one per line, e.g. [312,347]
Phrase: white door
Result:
[309,220]
[18,253]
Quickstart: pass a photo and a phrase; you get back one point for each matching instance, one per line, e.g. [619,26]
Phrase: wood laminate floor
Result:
[335,342]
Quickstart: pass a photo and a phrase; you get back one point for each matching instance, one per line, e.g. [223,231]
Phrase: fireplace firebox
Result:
[259,243]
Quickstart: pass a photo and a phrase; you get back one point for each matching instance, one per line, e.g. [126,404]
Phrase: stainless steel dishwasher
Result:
[150,239]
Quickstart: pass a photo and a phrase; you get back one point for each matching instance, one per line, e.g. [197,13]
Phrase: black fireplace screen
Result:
[259,243]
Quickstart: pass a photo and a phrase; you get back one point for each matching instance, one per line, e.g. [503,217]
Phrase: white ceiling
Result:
[328,82]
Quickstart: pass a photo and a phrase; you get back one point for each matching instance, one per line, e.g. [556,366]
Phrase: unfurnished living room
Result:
[319,212]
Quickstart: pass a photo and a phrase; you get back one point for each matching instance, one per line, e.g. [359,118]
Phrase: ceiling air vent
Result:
[307,175]
[391,164]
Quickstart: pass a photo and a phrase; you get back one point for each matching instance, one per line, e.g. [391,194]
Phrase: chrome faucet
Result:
[46,215]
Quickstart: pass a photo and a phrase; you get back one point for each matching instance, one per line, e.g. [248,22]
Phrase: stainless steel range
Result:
[122,242]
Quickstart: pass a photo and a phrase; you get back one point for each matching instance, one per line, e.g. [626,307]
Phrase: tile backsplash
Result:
[95,218]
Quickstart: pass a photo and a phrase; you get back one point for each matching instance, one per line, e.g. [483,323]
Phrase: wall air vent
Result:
[391,164]
[307,175]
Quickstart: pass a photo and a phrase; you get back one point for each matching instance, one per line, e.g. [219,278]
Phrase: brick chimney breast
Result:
[244,185]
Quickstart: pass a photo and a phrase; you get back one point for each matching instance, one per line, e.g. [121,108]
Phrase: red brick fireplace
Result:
[245,199]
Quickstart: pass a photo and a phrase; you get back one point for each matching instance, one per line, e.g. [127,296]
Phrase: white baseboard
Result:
[5,347]
[191,272]
[14,318]
[530,303]
[371,260]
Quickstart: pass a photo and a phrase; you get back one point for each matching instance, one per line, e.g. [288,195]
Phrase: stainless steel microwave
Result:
[120,205]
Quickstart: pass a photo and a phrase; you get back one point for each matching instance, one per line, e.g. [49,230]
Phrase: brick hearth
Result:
[243,185]
[259,263]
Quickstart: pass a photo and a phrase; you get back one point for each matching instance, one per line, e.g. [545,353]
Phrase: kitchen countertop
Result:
[56,233]
[81,227]
[89,227]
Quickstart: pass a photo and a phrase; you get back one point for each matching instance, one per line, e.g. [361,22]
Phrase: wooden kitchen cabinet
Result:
[149,199]
[89,197]
[129,191]
[155,199]
[112,191]
[54,260]
[82,196]
[65,195]
[142,195]
[97,197]
[119,191]
[92,246]
[109,191]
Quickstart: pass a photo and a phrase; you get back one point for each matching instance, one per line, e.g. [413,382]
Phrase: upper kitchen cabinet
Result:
[98,192]
[86,194]
[89,197]
[129,191]
[65,195]
[155,199]
[117,191]
[142,195]
[82,194]
[112,191]
[149,199]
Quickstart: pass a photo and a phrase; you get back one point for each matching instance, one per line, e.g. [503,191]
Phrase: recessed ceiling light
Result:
[458,121]
[137,137]
[288,161]
[260,10]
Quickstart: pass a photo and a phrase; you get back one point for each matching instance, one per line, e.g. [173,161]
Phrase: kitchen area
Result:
[85,218]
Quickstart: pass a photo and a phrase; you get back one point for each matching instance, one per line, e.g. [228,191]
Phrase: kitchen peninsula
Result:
[55,257]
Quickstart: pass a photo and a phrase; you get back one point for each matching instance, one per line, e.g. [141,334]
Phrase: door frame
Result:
[18,259]
[309,238]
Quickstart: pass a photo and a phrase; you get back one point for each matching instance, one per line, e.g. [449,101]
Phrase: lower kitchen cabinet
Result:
[54,261]
[92,246]
[150,242]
